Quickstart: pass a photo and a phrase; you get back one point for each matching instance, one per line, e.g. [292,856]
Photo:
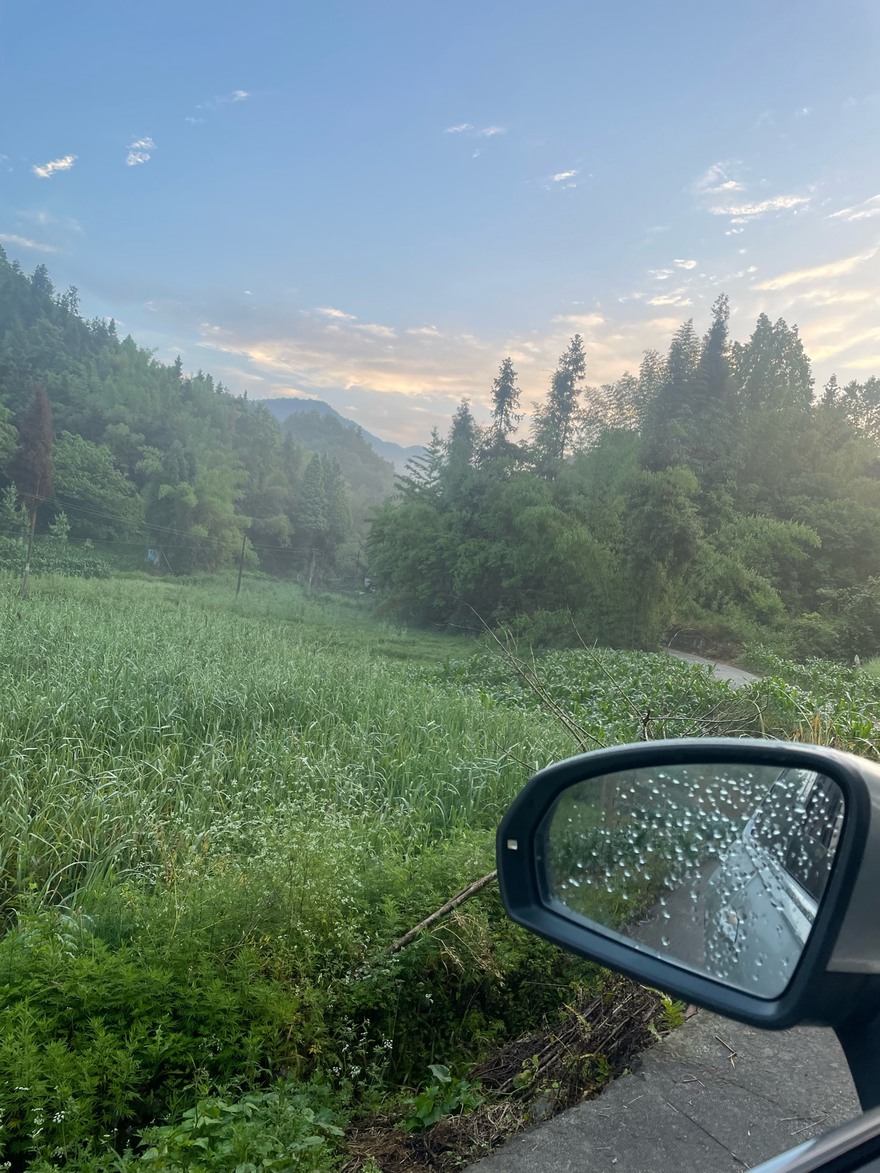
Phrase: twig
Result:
[731,1052]
[443,910]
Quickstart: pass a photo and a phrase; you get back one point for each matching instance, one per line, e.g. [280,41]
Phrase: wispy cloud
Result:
[376,329]
[47,170]
[717,179]
[676,297]
[866,210]
[217,103]
[745,212]
[328,311]
[684,264]
[48,219]
[561,176]
[26,242]
[472,131]
[818,272]
[139,152]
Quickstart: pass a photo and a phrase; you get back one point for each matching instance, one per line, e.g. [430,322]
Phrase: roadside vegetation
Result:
[219,818]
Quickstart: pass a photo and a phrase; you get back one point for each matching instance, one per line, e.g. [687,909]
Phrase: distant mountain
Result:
[396,454]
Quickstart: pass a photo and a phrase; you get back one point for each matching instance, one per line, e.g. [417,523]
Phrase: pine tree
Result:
[506,416]
[556,420]
[460,454]
[421,477]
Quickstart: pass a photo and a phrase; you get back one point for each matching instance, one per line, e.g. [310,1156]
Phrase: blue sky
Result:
[375,202]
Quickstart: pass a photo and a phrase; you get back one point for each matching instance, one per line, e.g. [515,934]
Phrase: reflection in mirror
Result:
[719,867]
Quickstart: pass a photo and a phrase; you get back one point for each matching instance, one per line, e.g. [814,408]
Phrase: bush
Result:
[96,1043]
[51,556]
[288,1130]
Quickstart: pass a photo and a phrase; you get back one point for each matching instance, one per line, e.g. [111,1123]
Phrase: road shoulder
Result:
[712,1095]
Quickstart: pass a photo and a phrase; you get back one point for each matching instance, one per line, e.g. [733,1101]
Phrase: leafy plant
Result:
[281,1130]
[446,1096]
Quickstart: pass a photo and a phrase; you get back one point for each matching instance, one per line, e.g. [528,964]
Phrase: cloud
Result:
[817,273]
[376,329]
[682,264]
[468,128]
[217,103]
[676,297]
[139,152]
[47,170]
[561,176]
[26,242]
[745,212]
[660,274]
[49,220]
[716,179]
[866,210]
[836,297]
[339,315]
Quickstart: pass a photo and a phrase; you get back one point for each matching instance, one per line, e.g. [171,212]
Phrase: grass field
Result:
[218,814]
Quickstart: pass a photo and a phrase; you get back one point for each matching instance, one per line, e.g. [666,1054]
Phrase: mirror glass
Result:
[719,867]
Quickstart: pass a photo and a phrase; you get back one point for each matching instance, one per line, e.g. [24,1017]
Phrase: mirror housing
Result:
[839,968]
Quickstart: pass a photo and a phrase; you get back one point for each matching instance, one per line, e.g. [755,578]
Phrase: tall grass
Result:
[216,815]
[138,730]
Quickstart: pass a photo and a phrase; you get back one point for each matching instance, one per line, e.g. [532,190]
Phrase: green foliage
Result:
[445,1096]
[140,444]
[53,555]
[282,1130]
[177,933]
[97,1042]
[709,493]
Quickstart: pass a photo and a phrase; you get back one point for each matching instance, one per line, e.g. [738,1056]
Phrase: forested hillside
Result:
[713,492]
[146,456]
[288,407]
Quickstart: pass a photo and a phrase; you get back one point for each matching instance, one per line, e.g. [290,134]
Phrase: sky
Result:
[373,202]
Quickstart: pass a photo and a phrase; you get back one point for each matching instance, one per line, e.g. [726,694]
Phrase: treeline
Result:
[145,455]
[713,493]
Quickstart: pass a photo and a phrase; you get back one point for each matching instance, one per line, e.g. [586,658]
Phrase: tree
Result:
[772,369]
[421,476]
[313,515]
[31,464]
[8,436]
[556,419]
[86,475]
[461,449]
[506,416]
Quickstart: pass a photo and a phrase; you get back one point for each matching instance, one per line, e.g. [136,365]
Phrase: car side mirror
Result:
[739,875]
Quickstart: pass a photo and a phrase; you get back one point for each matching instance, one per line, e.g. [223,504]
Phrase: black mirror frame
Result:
[812,995]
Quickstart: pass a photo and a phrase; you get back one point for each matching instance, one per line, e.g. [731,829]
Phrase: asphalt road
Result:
[736,676]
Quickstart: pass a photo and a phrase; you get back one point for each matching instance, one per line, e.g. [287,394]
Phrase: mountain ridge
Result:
[283,407]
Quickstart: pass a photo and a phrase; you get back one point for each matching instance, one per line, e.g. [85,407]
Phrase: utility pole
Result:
[240,565]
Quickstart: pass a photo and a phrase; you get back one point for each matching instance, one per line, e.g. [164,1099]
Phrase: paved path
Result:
[697,1104]
[736,676]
